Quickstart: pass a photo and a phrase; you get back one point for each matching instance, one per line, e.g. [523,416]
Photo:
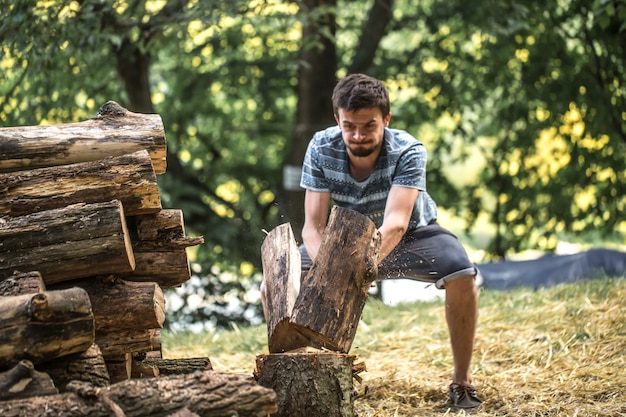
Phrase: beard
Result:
[362,150]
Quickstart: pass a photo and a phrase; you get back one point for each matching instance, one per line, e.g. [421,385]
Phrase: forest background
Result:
[522,107]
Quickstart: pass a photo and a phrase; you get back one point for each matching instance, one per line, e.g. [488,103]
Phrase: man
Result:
[363,165]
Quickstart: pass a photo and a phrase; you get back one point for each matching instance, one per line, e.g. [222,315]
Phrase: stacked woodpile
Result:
[86,250]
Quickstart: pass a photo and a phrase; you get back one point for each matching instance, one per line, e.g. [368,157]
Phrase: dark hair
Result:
[360,91]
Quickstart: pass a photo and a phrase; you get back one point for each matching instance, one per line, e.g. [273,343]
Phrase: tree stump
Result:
[309,384]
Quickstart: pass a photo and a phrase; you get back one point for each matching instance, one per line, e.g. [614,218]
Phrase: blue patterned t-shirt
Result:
[402,163]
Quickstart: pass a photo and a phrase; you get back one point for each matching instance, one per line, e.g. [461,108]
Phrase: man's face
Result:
[362,130]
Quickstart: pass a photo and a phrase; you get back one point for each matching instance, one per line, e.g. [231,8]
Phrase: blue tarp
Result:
[553,269]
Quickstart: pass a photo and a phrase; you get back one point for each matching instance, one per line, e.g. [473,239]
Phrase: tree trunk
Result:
[309,384]
[26,283]
[316,80]
[114,131]
[87,366]
[23,381]
[208,394]
[119,304]
[41,327]
[332,295]
[63,244]
[128,178]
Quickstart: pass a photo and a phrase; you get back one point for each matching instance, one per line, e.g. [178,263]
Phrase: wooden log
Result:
[142,369]
[87,366]
[23,381]
[113,131]
[290,375]
[41,327]
[168,269]
[179,366]
[119,342]
[26,283]
[119,367]
[327,310]
[129,178]
[63,244]
[159,245]
[281,272]
[121,305]
[207,394]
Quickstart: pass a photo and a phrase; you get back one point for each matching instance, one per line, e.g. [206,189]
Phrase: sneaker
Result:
[464,396]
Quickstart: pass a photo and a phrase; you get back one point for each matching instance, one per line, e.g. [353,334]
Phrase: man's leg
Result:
[462,315]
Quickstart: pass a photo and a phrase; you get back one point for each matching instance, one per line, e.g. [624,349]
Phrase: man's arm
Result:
[398,209]
[316,206]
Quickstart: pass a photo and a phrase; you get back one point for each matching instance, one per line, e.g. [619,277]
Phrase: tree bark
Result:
[208,394]
[23,381]
[309,384]
[332,295]
[63,244]
[87,366]
[114,131]
[129,178]
[41,327]
[25,283]
[122,305]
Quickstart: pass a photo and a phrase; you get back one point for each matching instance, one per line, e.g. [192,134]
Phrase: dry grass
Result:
[552,352]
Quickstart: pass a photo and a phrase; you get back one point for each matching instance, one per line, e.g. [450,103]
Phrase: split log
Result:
[41,327]
[159,245]
[281,272]
[128,178]
[290,376]
[23,381]
[87,366]
[63,244]
[179,366]
[118,304]
[26,283]
[113,131]
[328,308]
[119,342]
[207,394]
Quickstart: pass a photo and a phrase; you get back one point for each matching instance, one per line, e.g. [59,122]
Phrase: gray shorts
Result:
[430,254]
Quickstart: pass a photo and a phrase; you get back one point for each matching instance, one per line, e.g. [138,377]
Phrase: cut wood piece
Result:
[23,381]
[129,178]
[166,225]
[62,244]
[328,308]
[119,367]
[41,327]
[169,269]
[87,366]
[208,394]
[115,343]
[179,366]
[122,305]
[281,275]
[290,375]
[22,283]
[113,131]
